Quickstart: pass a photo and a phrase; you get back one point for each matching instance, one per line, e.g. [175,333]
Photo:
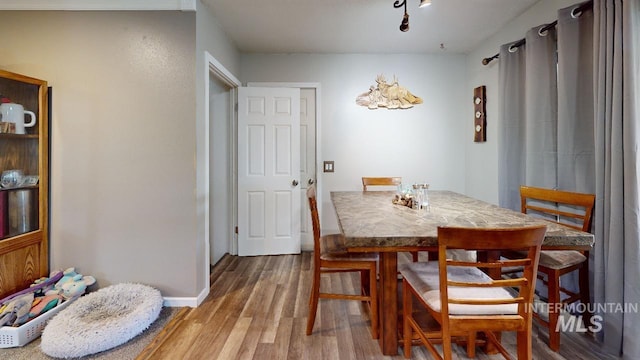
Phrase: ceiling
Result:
[361,26]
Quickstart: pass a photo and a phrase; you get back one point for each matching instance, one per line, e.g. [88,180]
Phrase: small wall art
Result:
[389,96]
[479,114]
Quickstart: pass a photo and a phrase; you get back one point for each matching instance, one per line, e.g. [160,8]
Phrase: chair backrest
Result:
[380,181]
[315,219]
[474,284]
[567,208]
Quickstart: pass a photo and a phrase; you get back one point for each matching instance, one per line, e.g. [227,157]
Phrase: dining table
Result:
[371,222]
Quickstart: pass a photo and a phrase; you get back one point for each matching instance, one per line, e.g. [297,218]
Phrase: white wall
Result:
[424,143]
[482,158]
[123,135]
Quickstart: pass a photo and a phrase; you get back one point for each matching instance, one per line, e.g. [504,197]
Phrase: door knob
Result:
[294,183]
[310,182]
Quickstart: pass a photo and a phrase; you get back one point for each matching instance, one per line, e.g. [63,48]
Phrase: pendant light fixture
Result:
[404,25]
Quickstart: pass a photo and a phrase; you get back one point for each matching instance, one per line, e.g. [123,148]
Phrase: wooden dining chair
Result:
[380,181]
[330,256]
[385,181]
[573,210]
[464,300]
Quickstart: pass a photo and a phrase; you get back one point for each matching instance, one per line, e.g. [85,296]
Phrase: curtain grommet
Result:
[575,14]
[543,33]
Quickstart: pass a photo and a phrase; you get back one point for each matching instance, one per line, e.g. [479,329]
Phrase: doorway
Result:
[217,164]
[220,171]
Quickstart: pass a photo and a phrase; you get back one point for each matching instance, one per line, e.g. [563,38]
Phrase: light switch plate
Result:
[328,166]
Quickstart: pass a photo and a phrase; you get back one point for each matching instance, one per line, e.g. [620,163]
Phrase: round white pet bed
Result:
[101,320]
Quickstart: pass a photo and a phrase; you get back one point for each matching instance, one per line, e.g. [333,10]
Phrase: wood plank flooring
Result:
[258,307]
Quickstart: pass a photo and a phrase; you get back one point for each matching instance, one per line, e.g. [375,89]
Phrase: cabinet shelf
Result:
[19,188]
[18,136]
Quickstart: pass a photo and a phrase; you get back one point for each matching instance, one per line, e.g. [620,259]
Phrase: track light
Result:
[404,25]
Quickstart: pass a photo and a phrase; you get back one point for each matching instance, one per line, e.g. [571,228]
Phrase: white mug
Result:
[15,113]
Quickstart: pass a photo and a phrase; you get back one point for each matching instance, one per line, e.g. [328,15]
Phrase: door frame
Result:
[317,87]
[214,68]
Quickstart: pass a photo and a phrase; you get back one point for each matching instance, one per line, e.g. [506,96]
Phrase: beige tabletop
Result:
[370,219]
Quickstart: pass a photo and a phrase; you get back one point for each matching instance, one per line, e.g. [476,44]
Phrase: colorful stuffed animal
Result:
[45,284]
[76,284]
[43,304]
[16,312]
[77,287]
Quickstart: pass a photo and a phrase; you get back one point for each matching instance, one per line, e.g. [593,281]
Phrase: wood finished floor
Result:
[258,307]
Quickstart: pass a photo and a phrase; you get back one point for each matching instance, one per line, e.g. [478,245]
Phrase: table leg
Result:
[388,307]
[491,256]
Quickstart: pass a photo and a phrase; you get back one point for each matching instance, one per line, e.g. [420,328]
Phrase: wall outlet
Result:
[328,166]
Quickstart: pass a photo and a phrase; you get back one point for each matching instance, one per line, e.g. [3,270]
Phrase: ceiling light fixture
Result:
[404,25]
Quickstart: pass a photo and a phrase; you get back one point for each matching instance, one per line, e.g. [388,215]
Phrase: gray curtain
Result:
[598,144]
[576,159]
[541,109]
[576,144]
[511,135]
[617,134]
[529,107]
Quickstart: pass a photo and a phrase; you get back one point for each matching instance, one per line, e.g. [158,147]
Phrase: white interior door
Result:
[309,149]
[307,159]
[269,200]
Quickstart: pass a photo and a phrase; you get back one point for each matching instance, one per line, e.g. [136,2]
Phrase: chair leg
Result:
[313,301]
[583,275]
[555,304]
[447,352]
[407,309]
[365,283]
[373,293]
[471,344]
[524,343]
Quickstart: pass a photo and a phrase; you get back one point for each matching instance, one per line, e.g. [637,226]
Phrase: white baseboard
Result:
[180,302]
[186,301]
[203,295]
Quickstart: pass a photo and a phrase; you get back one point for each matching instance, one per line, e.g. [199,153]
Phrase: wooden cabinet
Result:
[24,208]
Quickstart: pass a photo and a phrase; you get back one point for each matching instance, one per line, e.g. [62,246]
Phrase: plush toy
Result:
[75,283]
[44,284]
[76,287]
[43,304]
[67,275]
[16,312]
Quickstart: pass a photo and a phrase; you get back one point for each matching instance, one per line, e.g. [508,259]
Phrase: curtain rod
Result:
[575,12]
